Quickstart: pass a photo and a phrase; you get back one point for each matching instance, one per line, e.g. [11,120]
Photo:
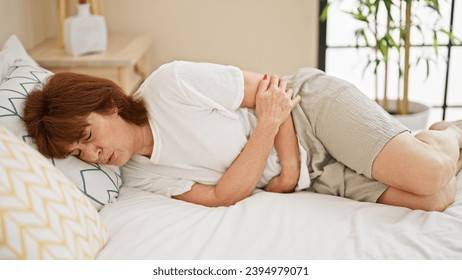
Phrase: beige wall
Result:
[31,20]
[276,36]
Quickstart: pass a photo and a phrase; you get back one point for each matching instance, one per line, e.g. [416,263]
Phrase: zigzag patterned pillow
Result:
[100,183]
[42,214]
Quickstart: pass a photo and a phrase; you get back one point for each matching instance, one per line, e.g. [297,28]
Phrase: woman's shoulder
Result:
[170,71]
[167,68]
[183,66]
[179,75]
[162,82]
[162,75]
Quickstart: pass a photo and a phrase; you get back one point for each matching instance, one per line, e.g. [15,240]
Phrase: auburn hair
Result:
[55,114]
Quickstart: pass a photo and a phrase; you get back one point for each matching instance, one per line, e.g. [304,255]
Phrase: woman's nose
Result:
[92,153]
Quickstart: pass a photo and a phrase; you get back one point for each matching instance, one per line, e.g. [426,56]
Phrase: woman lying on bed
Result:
[210,134]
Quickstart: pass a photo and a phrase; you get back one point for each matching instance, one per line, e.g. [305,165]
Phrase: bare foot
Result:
[445,124]
[454,127]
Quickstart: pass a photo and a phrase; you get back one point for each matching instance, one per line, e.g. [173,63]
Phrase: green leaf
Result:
[454,39]
[435,42]
[323,15]
[383,47]
[428,68]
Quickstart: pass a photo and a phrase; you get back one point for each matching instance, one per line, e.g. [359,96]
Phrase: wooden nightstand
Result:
[126,60]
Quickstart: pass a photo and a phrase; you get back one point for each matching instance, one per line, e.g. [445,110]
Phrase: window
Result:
[442,89]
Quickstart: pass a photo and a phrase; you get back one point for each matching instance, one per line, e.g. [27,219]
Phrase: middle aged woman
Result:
[209,134]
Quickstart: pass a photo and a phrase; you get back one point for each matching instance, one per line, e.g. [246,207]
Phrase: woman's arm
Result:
[273,106]
[286,142]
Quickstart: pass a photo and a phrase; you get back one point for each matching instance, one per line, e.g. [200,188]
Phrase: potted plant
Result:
[386,28]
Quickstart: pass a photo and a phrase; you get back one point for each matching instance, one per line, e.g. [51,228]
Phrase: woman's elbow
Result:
[437,177]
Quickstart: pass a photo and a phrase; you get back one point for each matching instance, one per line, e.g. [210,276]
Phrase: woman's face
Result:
[108,139]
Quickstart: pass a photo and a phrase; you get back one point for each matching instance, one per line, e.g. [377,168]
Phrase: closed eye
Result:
[76,153]
[89,137]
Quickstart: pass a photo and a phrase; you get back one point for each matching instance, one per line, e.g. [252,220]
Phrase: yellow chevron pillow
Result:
[42,214]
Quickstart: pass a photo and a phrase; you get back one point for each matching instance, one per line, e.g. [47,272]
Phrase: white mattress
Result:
[302,225]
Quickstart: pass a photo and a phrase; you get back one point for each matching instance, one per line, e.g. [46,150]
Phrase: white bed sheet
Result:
[302,225]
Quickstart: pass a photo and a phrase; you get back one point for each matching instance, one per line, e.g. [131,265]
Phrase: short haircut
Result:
[55,114]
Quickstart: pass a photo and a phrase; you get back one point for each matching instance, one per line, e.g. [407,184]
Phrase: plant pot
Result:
[416,119]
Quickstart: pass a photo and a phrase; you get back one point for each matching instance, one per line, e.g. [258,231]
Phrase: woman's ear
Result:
[114,109]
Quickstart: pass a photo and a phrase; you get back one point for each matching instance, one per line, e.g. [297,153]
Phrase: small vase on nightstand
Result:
[85,33]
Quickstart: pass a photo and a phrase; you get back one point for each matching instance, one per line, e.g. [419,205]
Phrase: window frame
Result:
[323,47]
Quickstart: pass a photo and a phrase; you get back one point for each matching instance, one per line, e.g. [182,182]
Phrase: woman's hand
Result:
[274,101]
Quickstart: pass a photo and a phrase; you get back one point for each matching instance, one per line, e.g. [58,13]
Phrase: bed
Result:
[67,209]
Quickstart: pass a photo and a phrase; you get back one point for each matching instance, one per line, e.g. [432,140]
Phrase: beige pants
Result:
[343,131]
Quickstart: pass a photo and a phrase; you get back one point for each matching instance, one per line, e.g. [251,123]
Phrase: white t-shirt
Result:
[198,129]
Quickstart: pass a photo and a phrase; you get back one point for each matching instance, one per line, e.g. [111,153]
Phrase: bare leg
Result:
[434,202]
[424,166]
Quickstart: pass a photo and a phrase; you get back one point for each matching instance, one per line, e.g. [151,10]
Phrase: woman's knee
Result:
[413,166]
[438,201]
[443,170]
[435,174]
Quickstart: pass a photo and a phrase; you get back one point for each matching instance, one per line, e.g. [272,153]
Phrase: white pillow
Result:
[11,51]
[43,215]
[100,183]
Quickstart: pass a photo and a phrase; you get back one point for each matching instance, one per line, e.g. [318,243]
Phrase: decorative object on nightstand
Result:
[67,8]
[84,33]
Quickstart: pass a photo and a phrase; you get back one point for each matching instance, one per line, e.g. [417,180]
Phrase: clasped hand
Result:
[274,101]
